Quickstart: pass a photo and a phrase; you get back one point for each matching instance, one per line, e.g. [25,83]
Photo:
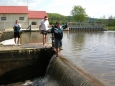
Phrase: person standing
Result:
[17,27]
[43,27]
[58,35]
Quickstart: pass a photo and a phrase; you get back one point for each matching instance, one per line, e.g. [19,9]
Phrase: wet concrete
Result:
[19,64]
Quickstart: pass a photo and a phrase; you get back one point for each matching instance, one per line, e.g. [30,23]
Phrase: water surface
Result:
[94,52]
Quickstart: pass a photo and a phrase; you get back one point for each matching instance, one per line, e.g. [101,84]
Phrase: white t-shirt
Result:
[44,24]
[18,24]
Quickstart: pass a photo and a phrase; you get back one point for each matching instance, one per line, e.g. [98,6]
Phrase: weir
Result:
[67,74]
[86,26]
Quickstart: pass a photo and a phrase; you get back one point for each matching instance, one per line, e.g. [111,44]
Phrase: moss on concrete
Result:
[20,65]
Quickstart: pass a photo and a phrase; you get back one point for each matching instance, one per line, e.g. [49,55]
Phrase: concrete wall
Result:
[20,65]
[34,20]
[10,20]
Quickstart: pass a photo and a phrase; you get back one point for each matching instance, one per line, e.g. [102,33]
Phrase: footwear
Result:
[44,46]
[15,44]
[61,48]
[18,44]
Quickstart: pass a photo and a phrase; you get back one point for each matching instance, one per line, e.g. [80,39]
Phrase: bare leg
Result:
[18,40]
[57,51]
[15,40]
[44,39]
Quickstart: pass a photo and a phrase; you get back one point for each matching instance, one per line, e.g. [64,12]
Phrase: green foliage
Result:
[54,17]
[110,22]
[110,28]
[78,13]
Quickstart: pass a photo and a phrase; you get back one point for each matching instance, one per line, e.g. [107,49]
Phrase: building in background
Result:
[8,15]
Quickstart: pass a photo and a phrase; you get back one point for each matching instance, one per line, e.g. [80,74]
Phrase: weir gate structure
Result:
[86,26]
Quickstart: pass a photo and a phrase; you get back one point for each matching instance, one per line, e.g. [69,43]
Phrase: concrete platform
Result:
[9,45]
[11,29]
[23,46]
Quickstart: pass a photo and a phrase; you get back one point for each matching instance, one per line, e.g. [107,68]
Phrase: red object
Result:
[37,14]
[13,9]
[22,10]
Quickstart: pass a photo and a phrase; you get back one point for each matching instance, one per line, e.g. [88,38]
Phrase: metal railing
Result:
[29,27]
[86,26]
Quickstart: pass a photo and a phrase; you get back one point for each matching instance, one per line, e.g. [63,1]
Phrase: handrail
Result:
[29,27]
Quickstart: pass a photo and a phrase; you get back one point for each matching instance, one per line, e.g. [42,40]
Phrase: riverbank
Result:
[110,28]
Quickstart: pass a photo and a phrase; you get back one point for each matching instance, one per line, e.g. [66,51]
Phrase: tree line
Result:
[78,14]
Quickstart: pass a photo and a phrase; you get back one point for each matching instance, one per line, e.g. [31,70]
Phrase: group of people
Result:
[56,30]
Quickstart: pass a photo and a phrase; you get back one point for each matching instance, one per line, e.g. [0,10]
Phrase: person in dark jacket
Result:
[57,30]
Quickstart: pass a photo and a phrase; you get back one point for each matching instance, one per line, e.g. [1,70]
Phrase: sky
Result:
[93,8]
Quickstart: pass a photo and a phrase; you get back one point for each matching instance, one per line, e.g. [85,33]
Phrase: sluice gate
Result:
[86,26]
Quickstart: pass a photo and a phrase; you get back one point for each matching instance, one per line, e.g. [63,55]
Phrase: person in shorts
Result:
[17,27]
[43,27]
[58,35]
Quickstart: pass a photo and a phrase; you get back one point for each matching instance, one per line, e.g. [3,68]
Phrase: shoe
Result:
[61,48]
[15,44]
[44,46]
[19,44]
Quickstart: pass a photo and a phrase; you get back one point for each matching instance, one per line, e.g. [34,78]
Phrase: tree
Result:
[53,17]
[78,13]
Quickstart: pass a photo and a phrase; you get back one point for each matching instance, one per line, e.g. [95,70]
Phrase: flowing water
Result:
[93,52]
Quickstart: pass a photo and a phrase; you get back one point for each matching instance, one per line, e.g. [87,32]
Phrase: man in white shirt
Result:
[43,27]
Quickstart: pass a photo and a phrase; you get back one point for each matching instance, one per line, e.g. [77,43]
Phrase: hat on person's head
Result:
[45,17]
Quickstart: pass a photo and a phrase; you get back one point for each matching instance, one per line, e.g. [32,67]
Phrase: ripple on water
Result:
[94,52]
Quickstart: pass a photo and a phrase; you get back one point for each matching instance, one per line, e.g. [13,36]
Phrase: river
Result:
[92,51]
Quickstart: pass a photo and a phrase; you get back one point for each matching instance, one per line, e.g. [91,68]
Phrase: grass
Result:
[110,28]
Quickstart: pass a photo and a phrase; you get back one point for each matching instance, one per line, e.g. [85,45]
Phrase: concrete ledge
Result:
[16,65]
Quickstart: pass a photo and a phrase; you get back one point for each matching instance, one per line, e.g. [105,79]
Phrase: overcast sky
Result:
[93,8]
